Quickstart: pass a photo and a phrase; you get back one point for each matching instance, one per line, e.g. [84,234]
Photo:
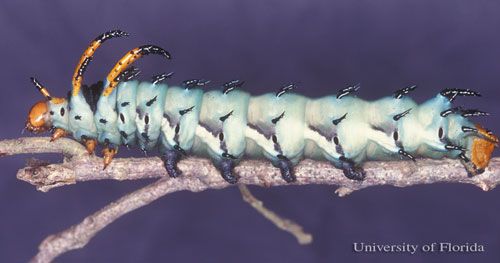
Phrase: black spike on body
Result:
[286,169]
[285,89]
[275,120]
[401,115]
[128,74]
[350,170]
[194,83]
[161,77]
[226,168]
[231,85]
[349,90]
[473,113]
[110,34]
[184,111]
[406,154]
[451,94]
[152,49]
[337,121]
[451,111]
[464,112]
[468,129]
[223,118]
[40,88]
[170,160]
[451,147]
[402,92]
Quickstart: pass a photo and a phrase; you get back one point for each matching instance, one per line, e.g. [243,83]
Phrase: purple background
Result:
[323,46]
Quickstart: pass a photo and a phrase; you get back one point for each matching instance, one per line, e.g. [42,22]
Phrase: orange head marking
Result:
[482,147]
[38,117]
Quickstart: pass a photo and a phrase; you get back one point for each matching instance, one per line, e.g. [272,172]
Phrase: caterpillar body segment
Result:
[425,129]
[178,127]
[180,118]
[105,119]
[150,104]
[220,133]
[276,127]
[385,117]
[81,117]
[126,109]
[59,113]
[229,124]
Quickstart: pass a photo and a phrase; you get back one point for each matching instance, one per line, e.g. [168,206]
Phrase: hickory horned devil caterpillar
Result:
[229,124]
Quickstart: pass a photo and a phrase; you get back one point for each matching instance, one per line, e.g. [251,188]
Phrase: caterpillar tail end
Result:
[482,149]
[108,153]
[58,133]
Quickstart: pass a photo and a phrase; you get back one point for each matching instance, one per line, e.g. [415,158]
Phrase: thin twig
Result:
[79,235]
[282,223]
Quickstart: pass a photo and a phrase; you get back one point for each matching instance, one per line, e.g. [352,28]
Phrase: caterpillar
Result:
[228,124]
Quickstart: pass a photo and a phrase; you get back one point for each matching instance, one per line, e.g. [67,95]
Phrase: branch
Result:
[282,223]
[79,167]
[200,174]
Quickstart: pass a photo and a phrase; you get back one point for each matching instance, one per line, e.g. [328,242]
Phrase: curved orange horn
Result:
[128,59]
[87,57]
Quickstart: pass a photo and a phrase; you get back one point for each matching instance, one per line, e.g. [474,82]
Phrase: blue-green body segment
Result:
[229,125]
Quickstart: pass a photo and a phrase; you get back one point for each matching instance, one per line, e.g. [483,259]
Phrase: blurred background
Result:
[321,45]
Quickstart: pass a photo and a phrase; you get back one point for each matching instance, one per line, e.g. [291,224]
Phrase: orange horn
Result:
[87,57]
[128,59]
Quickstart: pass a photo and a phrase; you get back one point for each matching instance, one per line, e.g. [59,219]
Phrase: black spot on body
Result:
[122,118]
[223,118]
[124,134]
[78,117]
[275,120]
[337,121]
[62,111]
[103,121]
[51,112]
[151,101]
[124,104]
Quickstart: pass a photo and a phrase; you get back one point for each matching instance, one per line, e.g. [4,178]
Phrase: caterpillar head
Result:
[38,118]
[41,115]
